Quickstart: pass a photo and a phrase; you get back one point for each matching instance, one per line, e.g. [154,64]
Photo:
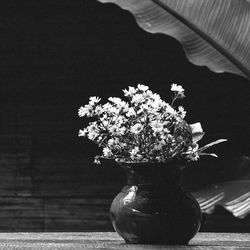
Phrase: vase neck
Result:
[153,175]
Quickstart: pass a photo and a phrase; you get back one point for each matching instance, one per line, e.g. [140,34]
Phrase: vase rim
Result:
[130,164]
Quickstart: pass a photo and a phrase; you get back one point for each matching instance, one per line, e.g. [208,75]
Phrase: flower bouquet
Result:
[144,128]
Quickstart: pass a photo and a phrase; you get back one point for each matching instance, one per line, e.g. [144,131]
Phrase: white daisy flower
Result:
[134,152]
[136,129]
[142,87]
[177,88]
[107,152]
[137,98]
[131,112]
[83,132]
[130,91]
[94,100]
[115,100]
[97,160]
[92,135]
[157,126]
[86,110]
[182,112]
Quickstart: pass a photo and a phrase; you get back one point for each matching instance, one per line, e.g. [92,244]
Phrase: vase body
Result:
[153,208]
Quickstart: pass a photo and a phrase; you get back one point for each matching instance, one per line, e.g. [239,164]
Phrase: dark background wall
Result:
[53,56]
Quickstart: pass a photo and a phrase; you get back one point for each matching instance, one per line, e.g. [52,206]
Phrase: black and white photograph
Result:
[125,124]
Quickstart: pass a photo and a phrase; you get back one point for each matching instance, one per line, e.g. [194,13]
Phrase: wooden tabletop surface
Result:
[111,240]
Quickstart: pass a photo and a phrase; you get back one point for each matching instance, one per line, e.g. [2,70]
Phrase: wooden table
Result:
[113,241]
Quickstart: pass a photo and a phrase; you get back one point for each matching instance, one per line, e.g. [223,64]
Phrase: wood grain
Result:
[110,240]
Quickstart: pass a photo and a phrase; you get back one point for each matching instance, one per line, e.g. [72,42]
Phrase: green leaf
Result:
[211,144]
[197,136]
[197,132]
[231,190]
[209,154]
[214,33]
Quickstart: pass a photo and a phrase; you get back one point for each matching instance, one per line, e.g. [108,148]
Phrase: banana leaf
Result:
[214,33]
[232,192]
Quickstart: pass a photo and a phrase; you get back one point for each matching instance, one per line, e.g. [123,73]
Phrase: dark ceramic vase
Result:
[152,208]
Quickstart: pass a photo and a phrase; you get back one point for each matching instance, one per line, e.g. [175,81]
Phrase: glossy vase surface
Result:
[153,208]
